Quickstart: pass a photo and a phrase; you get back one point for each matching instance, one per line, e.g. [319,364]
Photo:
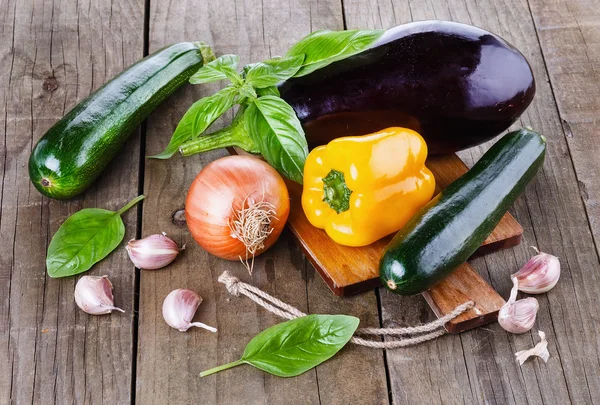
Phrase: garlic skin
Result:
[539,275]
[179,308]
[152,252]
[518,316]
[94,296]
[540,350]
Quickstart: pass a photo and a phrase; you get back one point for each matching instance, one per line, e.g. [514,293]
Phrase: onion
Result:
[236,207]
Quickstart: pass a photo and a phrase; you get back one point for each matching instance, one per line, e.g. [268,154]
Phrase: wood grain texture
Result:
[477,366]
[52,55]
[464,285]
[169,361]
[569,35]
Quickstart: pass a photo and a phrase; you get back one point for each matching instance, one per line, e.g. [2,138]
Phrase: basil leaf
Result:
[294,347]
[268,91]
[224,67]
[274,127]
[272,71]
[199,117]
[247,91]
[84,239]
[324,47]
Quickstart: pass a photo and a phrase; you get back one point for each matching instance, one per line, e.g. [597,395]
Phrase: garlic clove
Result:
[539,275]
[540,350]
[179,308]
[518,316]
[94,295]
[152,252]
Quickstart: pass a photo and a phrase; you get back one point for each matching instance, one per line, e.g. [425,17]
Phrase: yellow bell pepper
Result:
[362,188]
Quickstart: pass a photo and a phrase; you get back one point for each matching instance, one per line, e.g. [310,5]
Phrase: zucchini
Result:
[73,153]
[450,228]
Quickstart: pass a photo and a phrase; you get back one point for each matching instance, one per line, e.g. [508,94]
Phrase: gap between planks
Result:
[140,217]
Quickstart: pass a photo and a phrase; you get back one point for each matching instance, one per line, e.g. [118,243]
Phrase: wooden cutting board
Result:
[350,270]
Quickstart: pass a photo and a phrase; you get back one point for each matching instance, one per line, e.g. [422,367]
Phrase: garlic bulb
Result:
[518,316]
[179,308]
[539,275]
[94,295]
[153,252]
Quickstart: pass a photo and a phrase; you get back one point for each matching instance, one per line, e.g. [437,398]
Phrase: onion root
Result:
[251,225]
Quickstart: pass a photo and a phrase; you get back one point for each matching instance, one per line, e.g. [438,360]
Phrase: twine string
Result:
[412,335]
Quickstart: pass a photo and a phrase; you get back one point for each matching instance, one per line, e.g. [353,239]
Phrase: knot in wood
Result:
[50,84]
[178,217]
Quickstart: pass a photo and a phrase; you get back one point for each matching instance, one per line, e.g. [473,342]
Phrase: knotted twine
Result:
[413,334]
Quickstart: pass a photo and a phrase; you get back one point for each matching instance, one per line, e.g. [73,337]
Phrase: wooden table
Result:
[53,53]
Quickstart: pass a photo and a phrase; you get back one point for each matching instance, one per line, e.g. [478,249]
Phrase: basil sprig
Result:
[294,347]
[272,71]
[224,67]
[268,91]
[199,117]
[266,122]
[84,239]
[274,128]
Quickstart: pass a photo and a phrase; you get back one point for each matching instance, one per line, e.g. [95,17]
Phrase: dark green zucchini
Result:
[450,228]
[73,153]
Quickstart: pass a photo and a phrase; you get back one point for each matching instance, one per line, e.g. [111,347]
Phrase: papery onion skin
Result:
[220,189]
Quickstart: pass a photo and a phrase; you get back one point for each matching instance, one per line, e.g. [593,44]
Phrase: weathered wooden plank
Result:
[357,374]
[481,367]
[52,55]
[169,361]
[569,35]
[558,225]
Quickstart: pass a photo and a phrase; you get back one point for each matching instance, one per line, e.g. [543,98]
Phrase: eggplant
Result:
[455,84]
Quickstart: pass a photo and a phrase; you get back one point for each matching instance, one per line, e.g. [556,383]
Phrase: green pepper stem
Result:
[335,191]
[131,204]
[221,368]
